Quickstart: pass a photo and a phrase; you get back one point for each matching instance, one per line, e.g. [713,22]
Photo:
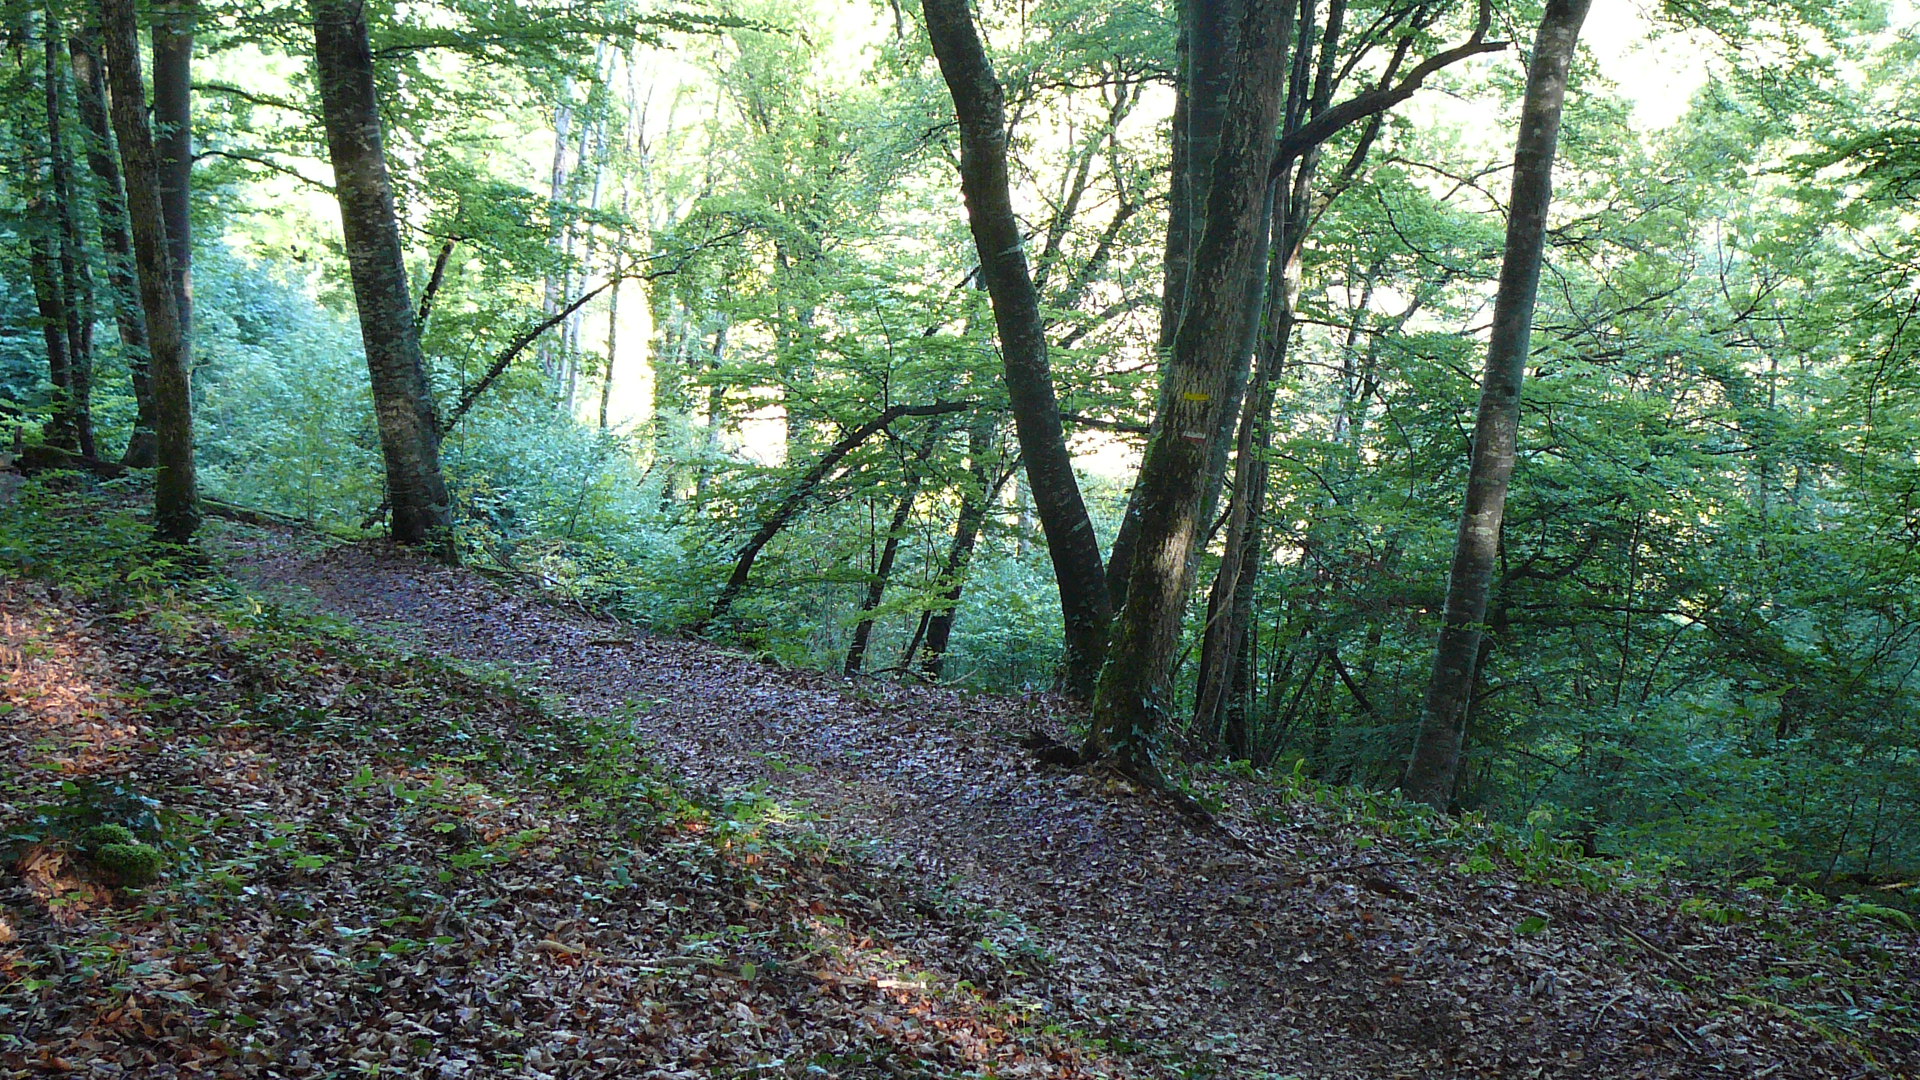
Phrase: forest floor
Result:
[426,875]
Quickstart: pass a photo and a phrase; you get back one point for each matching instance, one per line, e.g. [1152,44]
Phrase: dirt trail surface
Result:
[1312,959]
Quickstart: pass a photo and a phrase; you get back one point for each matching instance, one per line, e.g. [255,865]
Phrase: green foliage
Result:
[102,835]
[133,865]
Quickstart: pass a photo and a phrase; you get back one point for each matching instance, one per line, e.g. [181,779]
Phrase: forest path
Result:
[1312,964]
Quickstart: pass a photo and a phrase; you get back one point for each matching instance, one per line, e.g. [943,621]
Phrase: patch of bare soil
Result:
[1333,953]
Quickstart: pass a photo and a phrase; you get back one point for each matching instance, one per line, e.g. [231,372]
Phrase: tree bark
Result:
[982,489]
[889,553]
[980,104]
[1434,767]
[613,338]
[76,269]
[1200,100]
[402,398]
[802,491]
[110,209]
[43,270]
[1205,373]
[173,24]
[176,495]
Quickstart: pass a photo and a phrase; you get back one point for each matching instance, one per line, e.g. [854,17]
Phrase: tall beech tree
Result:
[1434,766]
[176,494]
[402,398]
[1205,47]
[1203,375]
[173,29]
[980,105]
[75,266]
[1204,381]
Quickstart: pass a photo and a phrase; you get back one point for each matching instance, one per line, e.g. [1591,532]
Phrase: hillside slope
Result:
[381,859]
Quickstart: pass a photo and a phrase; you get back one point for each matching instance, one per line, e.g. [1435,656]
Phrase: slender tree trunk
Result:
[110,208]
[403,399]
[889,553]
[43,270]
[715,410]
[556,283]
[176,495]
[173,26]
[1434,766]
[76,269]
[980,103]
[1205,374]
[982,490]
[613,338]
[802,491]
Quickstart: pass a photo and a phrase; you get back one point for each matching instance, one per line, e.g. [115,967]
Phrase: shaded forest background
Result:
[667,261]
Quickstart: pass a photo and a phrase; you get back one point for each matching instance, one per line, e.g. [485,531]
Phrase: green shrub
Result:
[129,864]
[104,836]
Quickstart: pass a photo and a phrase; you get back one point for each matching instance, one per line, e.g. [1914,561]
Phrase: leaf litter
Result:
[827,877]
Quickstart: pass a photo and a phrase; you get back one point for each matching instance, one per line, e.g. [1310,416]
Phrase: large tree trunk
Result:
[1205,374]
[173,139]
[110,209]
[176,495]
[402,398]
[980,104]
[1200,101]
[1434,766]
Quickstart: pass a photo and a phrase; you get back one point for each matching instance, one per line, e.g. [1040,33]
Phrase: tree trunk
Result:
[802,491]
[176,496]
[889,553]
[173,140]
[982,490]
[402,397]
[1200,100]
[1434,766]
[980,104]
[613,336]
[110,208]
[42,269]
[76,270]
[1205,374]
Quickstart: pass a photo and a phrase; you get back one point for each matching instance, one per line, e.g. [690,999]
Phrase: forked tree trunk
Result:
[889,553]
[176,495]
[402,399]
[983,490]
[1205,374]
[110,210]
[173,139]
[1200,101]
[1434,766]
[980,104]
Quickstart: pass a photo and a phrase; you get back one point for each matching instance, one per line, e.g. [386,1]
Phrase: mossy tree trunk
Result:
[402,398]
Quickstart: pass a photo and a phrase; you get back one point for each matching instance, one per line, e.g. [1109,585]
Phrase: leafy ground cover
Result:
[470,832]
[384,865]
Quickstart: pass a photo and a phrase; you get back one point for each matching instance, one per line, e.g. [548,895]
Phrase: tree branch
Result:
[1379,99]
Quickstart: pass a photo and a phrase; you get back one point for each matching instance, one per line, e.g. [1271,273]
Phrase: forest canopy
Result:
[1142,352]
